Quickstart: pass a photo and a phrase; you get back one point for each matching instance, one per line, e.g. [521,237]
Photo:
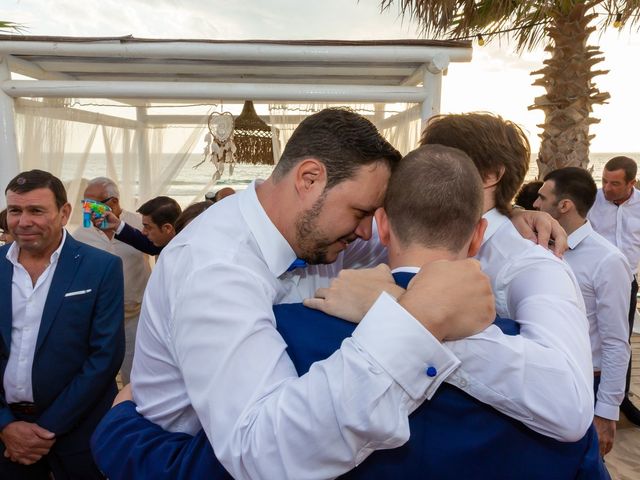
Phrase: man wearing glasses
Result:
[135,263]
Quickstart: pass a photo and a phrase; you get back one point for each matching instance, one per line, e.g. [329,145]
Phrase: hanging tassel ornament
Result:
[219,145]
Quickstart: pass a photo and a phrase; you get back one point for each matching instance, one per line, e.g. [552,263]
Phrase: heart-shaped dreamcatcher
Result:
[220,148]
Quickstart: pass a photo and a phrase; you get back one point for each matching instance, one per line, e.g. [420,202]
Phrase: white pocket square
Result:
[78,292]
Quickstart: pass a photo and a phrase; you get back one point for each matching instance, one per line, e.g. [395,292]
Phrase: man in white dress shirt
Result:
[531,286]
[604,275]
[616,216]
[208,354]
[136,265]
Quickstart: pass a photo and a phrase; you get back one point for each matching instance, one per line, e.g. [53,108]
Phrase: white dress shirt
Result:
[27,305]
[208,353]
[619,224]
[604,277]
[135,264]
[550,387]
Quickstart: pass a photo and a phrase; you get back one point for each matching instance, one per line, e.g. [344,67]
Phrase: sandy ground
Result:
[624,460]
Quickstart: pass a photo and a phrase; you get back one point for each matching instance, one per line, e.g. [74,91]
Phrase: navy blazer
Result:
[135,238]
[80,344]
[453,436]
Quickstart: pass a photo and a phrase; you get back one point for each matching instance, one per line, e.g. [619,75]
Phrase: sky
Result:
[496,80]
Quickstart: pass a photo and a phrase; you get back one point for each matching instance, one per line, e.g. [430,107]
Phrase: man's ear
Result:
[66,213]
[565,205]
[384,229]
[476,237]
[310,178]
[167,228]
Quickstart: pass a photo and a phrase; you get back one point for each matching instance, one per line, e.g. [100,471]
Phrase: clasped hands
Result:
[26,442]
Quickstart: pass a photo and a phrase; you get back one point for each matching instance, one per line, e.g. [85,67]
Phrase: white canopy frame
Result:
[141,72]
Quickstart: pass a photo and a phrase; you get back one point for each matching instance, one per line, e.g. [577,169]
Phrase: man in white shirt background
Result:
[604,276]
[616,216]
[136,265]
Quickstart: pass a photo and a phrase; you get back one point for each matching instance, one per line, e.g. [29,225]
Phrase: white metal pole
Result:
[199,90]
[239,51]
[432,86]
[144,165]
[9,164]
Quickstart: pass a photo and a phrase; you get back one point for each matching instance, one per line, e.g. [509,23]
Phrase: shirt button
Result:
[431,372]
[463,382]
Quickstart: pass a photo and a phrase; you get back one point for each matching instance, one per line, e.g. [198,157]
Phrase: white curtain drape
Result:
[80,140]
[399,123]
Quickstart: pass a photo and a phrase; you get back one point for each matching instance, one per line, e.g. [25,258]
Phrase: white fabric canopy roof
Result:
[58,92]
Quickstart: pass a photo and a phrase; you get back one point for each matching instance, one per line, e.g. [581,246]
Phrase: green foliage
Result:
[524,21]
[10,27]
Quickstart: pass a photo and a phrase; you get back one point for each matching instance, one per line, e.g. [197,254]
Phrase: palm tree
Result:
[568,73]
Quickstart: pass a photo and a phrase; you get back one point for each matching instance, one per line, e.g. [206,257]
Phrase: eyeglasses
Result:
[108,199]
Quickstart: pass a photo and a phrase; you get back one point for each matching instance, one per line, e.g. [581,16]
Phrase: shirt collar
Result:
[634,198]
[14,251]
[494,221]
[275,249]
[406,269]
[579,234]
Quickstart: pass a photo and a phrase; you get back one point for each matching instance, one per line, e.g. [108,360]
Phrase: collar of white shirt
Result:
[406,269]
[275,249]
[633,199]
[14,251]
[579,234]
[494,221]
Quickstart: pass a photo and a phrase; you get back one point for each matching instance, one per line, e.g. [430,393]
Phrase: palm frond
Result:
[10,27]
[524,21]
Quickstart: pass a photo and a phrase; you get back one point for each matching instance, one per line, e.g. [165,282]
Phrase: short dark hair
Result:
[4,226]
[342,140]
[33,179]
[189,213]
[575,184]
[492,143]
[161,210]
[434,198]
[528,194]
[623,163]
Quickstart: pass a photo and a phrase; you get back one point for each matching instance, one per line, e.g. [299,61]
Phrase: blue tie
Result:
[297,263]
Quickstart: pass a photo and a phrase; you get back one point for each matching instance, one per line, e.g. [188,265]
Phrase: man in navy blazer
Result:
[158,218]
[452,435]
[61,336]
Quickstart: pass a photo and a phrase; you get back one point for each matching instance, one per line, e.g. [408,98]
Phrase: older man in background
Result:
[136,265]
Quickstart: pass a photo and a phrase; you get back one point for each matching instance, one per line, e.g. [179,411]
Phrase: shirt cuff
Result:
[405,349]
[610,412]
[120,227]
